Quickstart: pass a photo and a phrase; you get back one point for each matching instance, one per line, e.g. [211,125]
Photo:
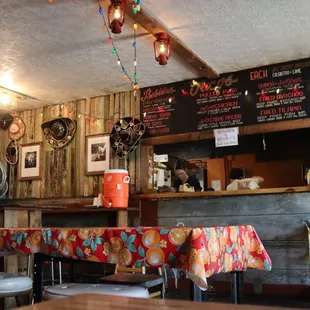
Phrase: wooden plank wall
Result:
[63,169]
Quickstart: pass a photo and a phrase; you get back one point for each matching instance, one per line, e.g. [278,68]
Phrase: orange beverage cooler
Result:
[116,188]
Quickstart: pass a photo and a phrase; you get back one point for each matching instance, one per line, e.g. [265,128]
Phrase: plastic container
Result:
[116,188]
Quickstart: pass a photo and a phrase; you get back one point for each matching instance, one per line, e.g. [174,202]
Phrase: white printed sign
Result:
[161,158]
[226,136]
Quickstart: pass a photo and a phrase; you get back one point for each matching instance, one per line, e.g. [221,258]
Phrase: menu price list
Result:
[282,99]
[158,107]
[217,107]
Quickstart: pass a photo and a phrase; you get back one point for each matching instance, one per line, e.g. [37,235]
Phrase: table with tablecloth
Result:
[201,251]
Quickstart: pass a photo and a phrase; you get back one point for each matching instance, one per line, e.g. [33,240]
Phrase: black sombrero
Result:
[11,153]
[5,121]
[59,131]
[125,136]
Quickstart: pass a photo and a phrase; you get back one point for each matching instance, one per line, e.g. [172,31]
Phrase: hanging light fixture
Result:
[162,48]
[116,15]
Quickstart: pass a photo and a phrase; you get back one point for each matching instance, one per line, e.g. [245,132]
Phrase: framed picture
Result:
[30,161]
[97,154]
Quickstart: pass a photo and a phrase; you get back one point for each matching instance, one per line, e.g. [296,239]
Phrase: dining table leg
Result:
[237,293]
[196,293]
[37,277]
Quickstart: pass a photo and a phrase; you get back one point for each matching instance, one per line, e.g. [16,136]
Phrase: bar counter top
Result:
[209,194]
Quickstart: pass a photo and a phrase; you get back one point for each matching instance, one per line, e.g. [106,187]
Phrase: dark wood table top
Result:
[145,280]
[99,302]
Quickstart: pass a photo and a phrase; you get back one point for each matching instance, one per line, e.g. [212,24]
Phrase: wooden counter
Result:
[67,206]
[264,191]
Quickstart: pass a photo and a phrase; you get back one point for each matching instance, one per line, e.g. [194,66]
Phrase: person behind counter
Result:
[238,182]
[184,178]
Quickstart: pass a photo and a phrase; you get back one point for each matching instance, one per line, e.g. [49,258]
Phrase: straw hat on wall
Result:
[17,129]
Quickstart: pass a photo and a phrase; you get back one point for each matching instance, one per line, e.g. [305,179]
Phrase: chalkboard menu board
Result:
[163,110]
[261,95]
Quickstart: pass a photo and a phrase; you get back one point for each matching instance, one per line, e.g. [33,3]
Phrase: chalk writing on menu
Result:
[280,93]
[158,105]
[255,96]
[217,102]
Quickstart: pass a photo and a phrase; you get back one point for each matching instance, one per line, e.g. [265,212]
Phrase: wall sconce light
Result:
[162,48]
[116,15]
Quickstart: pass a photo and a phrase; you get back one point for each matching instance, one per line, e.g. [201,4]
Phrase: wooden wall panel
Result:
[63,172]
[216,171]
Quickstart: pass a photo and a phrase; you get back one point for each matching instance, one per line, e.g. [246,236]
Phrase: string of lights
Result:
[136,8]
[133,81]
[75,113]
[263,90]
[91,118]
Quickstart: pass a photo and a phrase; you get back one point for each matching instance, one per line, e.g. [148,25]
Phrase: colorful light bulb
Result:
[135,26]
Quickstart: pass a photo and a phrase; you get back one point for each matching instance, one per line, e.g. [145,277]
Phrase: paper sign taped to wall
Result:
[161,158]
[226,136]
[216,185]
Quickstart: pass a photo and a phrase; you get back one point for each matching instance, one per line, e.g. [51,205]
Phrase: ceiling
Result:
[59,52]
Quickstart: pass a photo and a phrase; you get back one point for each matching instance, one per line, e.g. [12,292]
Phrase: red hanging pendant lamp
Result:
[162,48]
[116,15]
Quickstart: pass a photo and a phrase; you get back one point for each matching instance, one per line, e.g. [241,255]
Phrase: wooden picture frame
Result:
[29,166]
[97,154]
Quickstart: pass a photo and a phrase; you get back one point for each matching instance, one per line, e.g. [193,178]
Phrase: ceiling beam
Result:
[151,25]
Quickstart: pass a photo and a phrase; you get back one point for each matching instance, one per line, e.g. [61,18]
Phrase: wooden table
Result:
[99,302]
[145,280]
[201,251]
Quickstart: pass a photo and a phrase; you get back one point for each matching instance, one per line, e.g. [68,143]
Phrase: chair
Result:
[15,285]
[62,289]
[70,289]
[137,276]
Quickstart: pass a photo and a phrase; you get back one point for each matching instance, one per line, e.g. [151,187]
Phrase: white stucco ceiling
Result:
[232,35]
[58,52]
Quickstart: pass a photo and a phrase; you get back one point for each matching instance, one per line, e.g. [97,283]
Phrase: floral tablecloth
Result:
[200,251]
